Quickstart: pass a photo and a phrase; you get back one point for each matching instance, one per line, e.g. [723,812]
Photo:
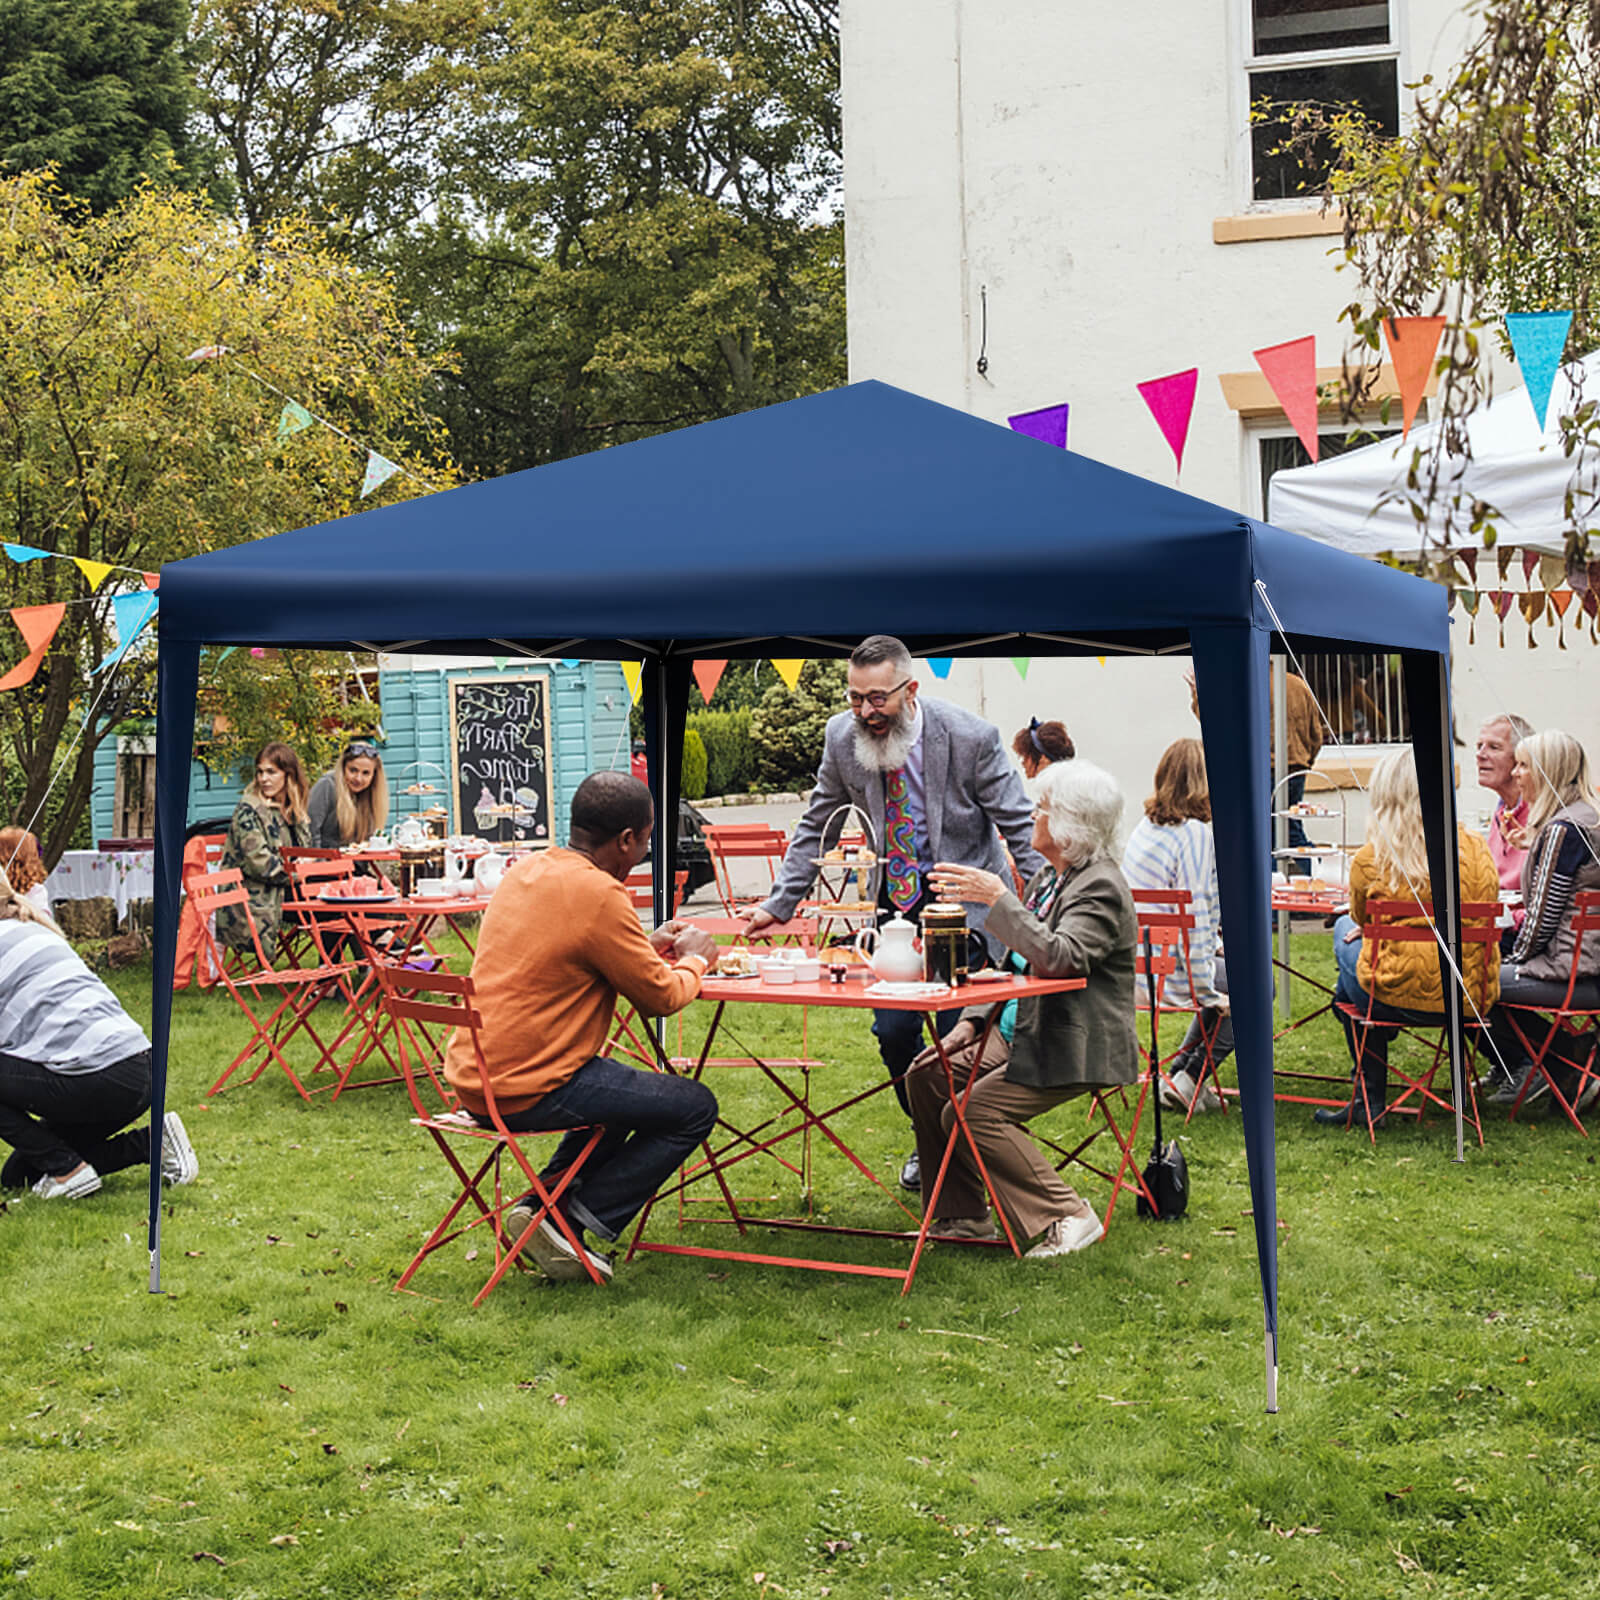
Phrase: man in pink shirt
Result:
[1497,747]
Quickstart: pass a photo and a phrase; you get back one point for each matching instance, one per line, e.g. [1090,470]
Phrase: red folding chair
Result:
[203,853]
[1565,1019]
[728,842]
[442,1000]
[297,990]
[640,884]
[1392,922]
[1166,921]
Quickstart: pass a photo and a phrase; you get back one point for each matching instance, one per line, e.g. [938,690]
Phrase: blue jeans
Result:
[1371,1061]
[652,1121]
[54,1120]
[900,1042]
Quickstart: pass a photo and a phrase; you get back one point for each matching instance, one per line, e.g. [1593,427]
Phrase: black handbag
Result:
[1166,1173]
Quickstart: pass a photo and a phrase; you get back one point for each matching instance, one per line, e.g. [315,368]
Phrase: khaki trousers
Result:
[1025,1181]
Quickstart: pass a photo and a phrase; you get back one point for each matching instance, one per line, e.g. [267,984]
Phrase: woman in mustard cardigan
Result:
[1402,985]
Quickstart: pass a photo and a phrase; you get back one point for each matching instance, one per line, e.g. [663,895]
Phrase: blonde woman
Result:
[1399,982]
[74,1068]
[1562,838]
[271,814]
[350,803]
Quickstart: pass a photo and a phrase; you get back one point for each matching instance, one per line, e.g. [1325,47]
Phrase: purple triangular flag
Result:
[1048,424]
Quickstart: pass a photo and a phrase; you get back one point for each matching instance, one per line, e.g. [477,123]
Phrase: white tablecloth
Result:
[118,875]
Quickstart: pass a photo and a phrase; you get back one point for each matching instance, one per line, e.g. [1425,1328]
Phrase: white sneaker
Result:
[1067,1234]
[72,1187]
[179,1163]
[1210,1100]
[1177,1091]
[552,1251]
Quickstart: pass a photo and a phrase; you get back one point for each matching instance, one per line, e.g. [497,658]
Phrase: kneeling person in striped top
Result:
[74,1068]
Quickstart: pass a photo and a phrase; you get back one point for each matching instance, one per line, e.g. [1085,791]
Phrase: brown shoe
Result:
[963,1228]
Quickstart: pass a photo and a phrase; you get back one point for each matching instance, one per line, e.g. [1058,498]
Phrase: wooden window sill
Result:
[1254,225]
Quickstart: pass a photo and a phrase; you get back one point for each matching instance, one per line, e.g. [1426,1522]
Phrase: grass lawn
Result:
[281,1423]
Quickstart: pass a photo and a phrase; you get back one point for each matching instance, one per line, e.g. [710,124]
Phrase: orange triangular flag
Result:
[1560,599]
[1413,343]
[1291,369]
[708,674]
[789,671]
[38,625]
[152,580]
[95,571]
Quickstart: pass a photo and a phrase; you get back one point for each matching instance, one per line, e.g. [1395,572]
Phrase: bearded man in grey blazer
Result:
[945,768]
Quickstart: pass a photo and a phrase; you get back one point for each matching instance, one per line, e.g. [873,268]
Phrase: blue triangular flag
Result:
[26,552]
[293,418]
[380,469]
[941,665]
[131,613]
[1537,340]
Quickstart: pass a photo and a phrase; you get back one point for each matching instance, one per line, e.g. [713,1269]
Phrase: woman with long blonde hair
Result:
[1391,981]
[74,1068]
[1562,837]
[350,803]
[270,815]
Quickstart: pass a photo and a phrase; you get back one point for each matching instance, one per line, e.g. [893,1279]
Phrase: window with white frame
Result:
[1361,693]
[1334,53]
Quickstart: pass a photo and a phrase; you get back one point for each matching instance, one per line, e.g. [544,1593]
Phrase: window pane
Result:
[1371,87]
[1286,26]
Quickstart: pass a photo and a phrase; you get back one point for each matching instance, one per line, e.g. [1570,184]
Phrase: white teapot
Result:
[487,871]
[410,834]
[457,868]
[891,955]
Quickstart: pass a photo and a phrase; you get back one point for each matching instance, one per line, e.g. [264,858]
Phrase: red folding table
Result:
[796,1116]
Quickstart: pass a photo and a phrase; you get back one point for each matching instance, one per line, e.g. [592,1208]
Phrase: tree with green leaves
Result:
[1489,203]
[146,354]
[99,91]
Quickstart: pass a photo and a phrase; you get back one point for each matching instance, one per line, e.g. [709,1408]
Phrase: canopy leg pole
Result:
[1280,823]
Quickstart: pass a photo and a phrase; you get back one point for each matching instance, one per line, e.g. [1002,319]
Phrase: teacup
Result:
[435,889]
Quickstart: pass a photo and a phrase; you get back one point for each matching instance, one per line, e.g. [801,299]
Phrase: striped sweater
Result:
[54,1012]
[1181,857]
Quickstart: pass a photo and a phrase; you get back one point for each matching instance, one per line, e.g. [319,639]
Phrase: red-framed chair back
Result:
[735,841]
[640,884]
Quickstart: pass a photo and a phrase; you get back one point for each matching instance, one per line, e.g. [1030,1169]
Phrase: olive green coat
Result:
[256,838]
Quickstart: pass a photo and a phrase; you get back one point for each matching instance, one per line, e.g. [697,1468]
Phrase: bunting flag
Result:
[708,674]
[226,653]
[37,625]
[152,580]
[1560,599]
[1502,600]
[1469,604]
[1532,610]
[789,671]
[1021,663]
[1530,560]
[1552,571]
[208,352]
[293,419]
[633,676]
[570,661]
[940,665]
[501,662]
[132,614]
[1469,559]
[1048,424]
[1171,403]
[95,571]
[26,552]
[1537,340]
[1291,370]
[1503,560]
[380,469]
[1413,343]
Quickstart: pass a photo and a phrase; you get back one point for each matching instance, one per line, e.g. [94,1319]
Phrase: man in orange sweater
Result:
[560,941]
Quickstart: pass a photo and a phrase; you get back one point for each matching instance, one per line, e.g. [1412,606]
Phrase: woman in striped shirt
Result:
[1171,849]
[74,1068]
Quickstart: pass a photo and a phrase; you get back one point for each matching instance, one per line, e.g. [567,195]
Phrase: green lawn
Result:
[281,1423]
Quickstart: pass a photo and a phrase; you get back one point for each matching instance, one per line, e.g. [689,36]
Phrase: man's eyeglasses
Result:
[361,747]
[876,698]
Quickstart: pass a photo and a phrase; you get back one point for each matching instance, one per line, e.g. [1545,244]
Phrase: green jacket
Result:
[1085,1036]
[256,838]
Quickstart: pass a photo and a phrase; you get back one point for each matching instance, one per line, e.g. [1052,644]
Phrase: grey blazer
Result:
[969,787]
[1086,1036]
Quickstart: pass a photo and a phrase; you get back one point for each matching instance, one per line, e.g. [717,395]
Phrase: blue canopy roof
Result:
[797,530]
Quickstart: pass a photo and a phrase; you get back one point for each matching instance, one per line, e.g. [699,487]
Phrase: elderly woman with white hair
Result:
[1074,919]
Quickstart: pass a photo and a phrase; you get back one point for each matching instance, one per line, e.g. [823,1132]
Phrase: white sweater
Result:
[1181,856]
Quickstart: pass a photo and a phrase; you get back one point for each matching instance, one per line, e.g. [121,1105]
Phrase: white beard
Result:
[892,750]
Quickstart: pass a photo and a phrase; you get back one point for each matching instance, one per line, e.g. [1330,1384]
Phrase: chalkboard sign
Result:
[500,778]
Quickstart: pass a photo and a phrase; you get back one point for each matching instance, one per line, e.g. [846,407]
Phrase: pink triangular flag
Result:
[37,625]
[1413,343]
[708,674]
[1171,402]
[1048,424]
[1530,560]
[1291,369]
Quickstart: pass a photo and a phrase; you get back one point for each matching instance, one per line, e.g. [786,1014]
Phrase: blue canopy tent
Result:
[796,531]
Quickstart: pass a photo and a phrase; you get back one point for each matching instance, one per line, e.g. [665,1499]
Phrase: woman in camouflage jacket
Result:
[270,814]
